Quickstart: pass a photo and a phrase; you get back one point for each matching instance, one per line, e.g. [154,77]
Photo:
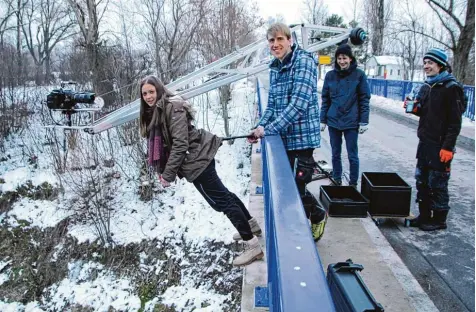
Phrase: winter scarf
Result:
[155,144]
[441,77]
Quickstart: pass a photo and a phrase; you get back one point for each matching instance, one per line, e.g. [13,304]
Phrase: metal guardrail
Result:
[296,280]
[398,89]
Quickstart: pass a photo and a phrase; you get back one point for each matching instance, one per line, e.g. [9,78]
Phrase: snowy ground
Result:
[176,215]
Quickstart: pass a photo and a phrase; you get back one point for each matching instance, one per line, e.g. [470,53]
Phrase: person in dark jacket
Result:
[345,110]
[293,113]
[177,148]
[440,105]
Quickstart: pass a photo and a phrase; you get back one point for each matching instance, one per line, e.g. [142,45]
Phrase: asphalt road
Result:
[442,261]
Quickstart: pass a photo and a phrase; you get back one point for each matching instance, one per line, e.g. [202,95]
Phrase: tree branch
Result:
[448,11]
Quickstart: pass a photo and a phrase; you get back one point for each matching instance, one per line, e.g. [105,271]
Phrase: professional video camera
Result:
[66,99]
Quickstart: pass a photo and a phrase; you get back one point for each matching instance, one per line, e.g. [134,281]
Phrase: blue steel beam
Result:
[296,280]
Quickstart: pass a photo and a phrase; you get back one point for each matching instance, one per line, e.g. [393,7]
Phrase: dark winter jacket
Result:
[345,98]
[293,109]
[191,150]
[441,110]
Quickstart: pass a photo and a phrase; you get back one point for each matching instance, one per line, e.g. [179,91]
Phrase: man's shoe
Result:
[318,229]
[252,252]
[424,217]
[337,182]
[438,221]
[255,229]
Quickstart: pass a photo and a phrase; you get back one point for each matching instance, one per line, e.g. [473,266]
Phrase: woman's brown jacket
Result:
[191,150]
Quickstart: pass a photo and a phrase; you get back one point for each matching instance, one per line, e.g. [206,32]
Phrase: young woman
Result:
[177,149]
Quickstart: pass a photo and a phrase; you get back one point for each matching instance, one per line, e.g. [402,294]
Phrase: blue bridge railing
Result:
[398,89]
[296,279]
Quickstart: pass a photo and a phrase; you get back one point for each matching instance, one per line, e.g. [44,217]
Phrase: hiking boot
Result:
[252,252]
[438,222]
[424,217]
[255,229]
[318,229]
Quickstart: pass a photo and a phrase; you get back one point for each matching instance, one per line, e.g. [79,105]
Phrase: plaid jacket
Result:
[293,110]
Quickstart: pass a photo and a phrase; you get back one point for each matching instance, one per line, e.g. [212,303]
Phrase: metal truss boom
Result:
[243,62]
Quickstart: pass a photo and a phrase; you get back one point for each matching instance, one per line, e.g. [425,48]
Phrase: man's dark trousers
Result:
[309,203]
[351,136]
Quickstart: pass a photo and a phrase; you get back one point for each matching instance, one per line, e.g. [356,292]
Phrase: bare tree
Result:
[45,23]
[315,12]
[460,29]
[5,27]
[88,14]
[229,24]
[378,15]
[173,24]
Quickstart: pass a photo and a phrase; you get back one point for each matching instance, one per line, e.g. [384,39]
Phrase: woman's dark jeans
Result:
[222,200]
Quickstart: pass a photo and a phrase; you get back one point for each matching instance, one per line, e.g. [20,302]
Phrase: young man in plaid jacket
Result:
[293,112]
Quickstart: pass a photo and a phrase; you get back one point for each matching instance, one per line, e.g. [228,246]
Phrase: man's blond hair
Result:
[276,28]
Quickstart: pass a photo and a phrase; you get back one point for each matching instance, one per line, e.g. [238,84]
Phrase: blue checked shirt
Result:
[293,110]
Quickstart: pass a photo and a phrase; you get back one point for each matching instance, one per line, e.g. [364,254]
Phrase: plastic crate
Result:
[348,290]
[343,201]
[388,194]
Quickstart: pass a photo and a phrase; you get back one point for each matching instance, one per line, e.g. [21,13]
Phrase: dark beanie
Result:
[437,55]
[344,49]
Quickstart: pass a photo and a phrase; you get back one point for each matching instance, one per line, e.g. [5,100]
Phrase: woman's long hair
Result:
[162,93]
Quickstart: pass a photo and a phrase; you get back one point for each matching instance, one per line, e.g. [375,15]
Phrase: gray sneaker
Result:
[255,229]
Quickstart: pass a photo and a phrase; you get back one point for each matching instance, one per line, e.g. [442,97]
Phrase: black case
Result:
[348,290]
[343,201]
[389,195]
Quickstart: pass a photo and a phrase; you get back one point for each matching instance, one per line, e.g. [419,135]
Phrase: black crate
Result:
[389,195]
[348,290]
[343,201]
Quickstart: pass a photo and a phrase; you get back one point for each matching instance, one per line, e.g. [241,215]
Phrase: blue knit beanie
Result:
[437,55]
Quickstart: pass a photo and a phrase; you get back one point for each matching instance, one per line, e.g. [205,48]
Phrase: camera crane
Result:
[242,63]
[69,102]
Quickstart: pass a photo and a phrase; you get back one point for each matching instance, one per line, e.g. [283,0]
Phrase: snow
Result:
[187,297]
[19,176]
[397,107]
[176,212]
[101,293]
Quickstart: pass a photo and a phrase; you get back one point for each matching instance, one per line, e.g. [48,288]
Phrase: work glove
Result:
[363,128]
[323,127]
[445,156]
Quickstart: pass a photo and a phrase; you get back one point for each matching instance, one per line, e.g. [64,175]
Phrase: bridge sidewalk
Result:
[384,273]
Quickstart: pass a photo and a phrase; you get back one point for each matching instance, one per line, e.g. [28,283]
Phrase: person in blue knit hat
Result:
[440,104]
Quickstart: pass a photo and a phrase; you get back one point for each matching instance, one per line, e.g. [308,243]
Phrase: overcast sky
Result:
[291,9]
